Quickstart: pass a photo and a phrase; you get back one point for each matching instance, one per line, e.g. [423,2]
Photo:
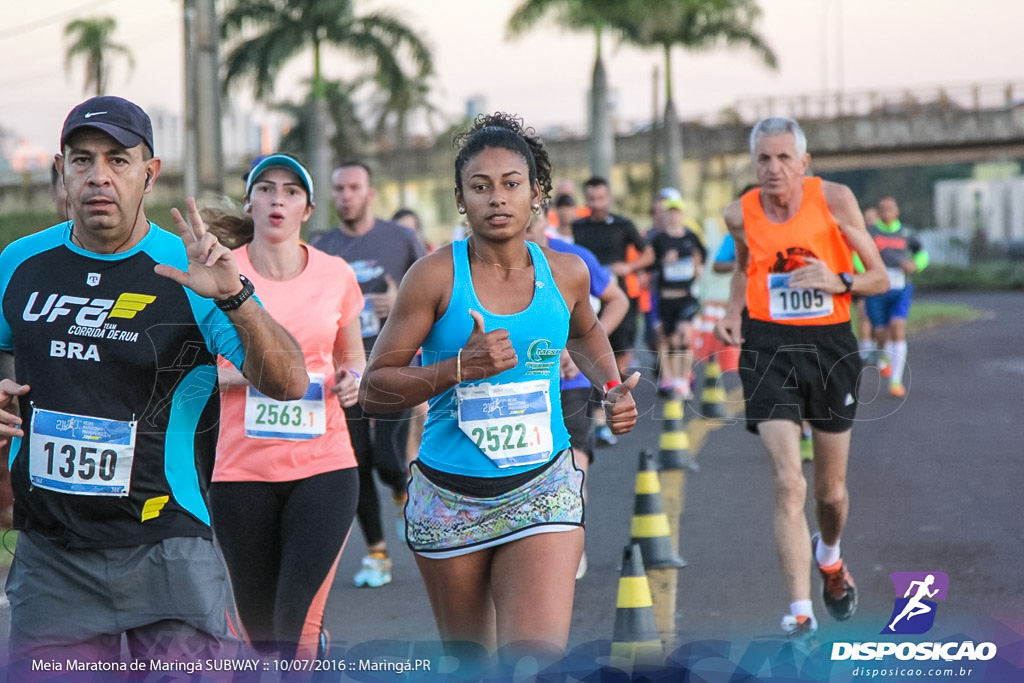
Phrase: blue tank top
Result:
[538,334]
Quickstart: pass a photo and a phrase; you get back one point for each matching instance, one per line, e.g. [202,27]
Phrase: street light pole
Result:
[204,158]
[191,161]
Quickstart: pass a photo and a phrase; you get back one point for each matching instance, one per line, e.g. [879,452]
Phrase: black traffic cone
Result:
[650,527]
[674,446]
[636,632]
[713,396]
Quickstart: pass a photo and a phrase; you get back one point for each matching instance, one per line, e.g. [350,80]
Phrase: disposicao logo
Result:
[913,613]
[915,606]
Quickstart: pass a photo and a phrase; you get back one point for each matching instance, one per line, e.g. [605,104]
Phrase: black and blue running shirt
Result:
[121,419]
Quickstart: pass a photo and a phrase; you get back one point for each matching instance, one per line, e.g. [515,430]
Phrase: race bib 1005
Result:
[786,303]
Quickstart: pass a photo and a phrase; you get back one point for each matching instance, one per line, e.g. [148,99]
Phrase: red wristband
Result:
[611,384]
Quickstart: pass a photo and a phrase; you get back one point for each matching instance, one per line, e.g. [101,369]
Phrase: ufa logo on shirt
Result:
[87,312]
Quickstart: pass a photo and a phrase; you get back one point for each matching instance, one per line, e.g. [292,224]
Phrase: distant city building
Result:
[475,105]
[27,157]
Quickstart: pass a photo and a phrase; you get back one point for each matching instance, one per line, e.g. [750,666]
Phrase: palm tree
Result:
[91,39]
[349,134]
[590,15]
[397,102]
[693,25]
[285,28]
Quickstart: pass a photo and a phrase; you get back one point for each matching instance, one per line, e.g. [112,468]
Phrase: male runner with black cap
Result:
[109,332]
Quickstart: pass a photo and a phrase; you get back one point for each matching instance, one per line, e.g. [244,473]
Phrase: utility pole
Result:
[204,157]
[654,133]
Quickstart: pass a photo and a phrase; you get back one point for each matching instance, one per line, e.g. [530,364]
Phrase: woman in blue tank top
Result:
[495,512]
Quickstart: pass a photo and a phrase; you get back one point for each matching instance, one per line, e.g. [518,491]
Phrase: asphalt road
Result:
[935,481]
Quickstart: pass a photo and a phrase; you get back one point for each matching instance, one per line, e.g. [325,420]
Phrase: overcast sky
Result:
[858,45]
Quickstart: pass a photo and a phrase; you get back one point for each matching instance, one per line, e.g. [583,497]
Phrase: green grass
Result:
[925,315]
[985,276]
[16,225]
[8,539]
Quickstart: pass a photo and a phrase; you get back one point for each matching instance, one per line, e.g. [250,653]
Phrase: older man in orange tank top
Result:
[789,309]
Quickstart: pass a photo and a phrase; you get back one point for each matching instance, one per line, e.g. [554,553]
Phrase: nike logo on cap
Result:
[94,113]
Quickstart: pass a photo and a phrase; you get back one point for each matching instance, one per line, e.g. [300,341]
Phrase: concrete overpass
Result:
[846,132]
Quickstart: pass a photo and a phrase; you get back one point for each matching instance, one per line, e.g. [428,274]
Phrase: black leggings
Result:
[380,449]
[282,542]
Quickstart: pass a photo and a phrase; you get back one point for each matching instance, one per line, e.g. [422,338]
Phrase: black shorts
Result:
[674,311]
[797,372]
[579,424]
[624,336]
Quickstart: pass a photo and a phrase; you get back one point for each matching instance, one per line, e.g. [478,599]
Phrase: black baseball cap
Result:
[122,120]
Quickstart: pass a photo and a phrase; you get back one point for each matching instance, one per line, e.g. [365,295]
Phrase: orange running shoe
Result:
[839,592]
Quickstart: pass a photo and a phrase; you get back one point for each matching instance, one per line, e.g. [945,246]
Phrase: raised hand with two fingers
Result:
[212,271]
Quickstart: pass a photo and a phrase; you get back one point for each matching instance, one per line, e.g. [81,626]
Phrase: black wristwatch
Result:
[232,303]
[847,279]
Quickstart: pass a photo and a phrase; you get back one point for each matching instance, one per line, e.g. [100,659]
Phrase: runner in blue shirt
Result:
[495,509]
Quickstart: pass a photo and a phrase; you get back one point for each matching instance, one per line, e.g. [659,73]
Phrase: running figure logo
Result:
[914,613]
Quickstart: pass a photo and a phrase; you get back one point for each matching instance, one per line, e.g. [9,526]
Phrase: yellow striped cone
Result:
[674,450]
[636,632]
[650,528]
[713,397]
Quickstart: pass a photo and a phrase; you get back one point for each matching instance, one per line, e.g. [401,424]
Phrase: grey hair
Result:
[778,125]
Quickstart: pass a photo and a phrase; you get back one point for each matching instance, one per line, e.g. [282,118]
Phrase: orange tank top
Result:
[776,249]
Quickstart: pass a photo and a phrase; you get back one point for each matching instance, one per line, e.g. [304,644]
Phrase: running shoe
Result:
[605,436]
[323,644]
[838,592]
[885,370]
[581,571]
[897,391]
[665,388]
[806,449]
[682,390]
[799,626]
[375,572]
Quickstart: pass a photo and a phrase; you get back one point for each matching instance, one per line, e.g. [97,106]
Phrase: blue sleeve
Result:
[219,333]
[600,277]
[7,264]
[726,252]
[16,253]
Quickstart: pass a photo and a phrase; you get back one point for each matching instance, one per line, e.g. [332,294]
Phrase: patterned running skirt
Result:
[440,523]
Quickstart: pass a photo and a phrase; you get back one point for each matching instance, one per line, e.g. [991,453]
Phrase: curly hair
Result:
[504,131]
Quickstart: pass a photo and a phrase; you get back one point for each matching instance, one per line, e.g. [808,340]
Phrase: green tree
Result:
[586,15]
[91,40]
[349,134]
[267,34]
[396,102]
[693,25]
